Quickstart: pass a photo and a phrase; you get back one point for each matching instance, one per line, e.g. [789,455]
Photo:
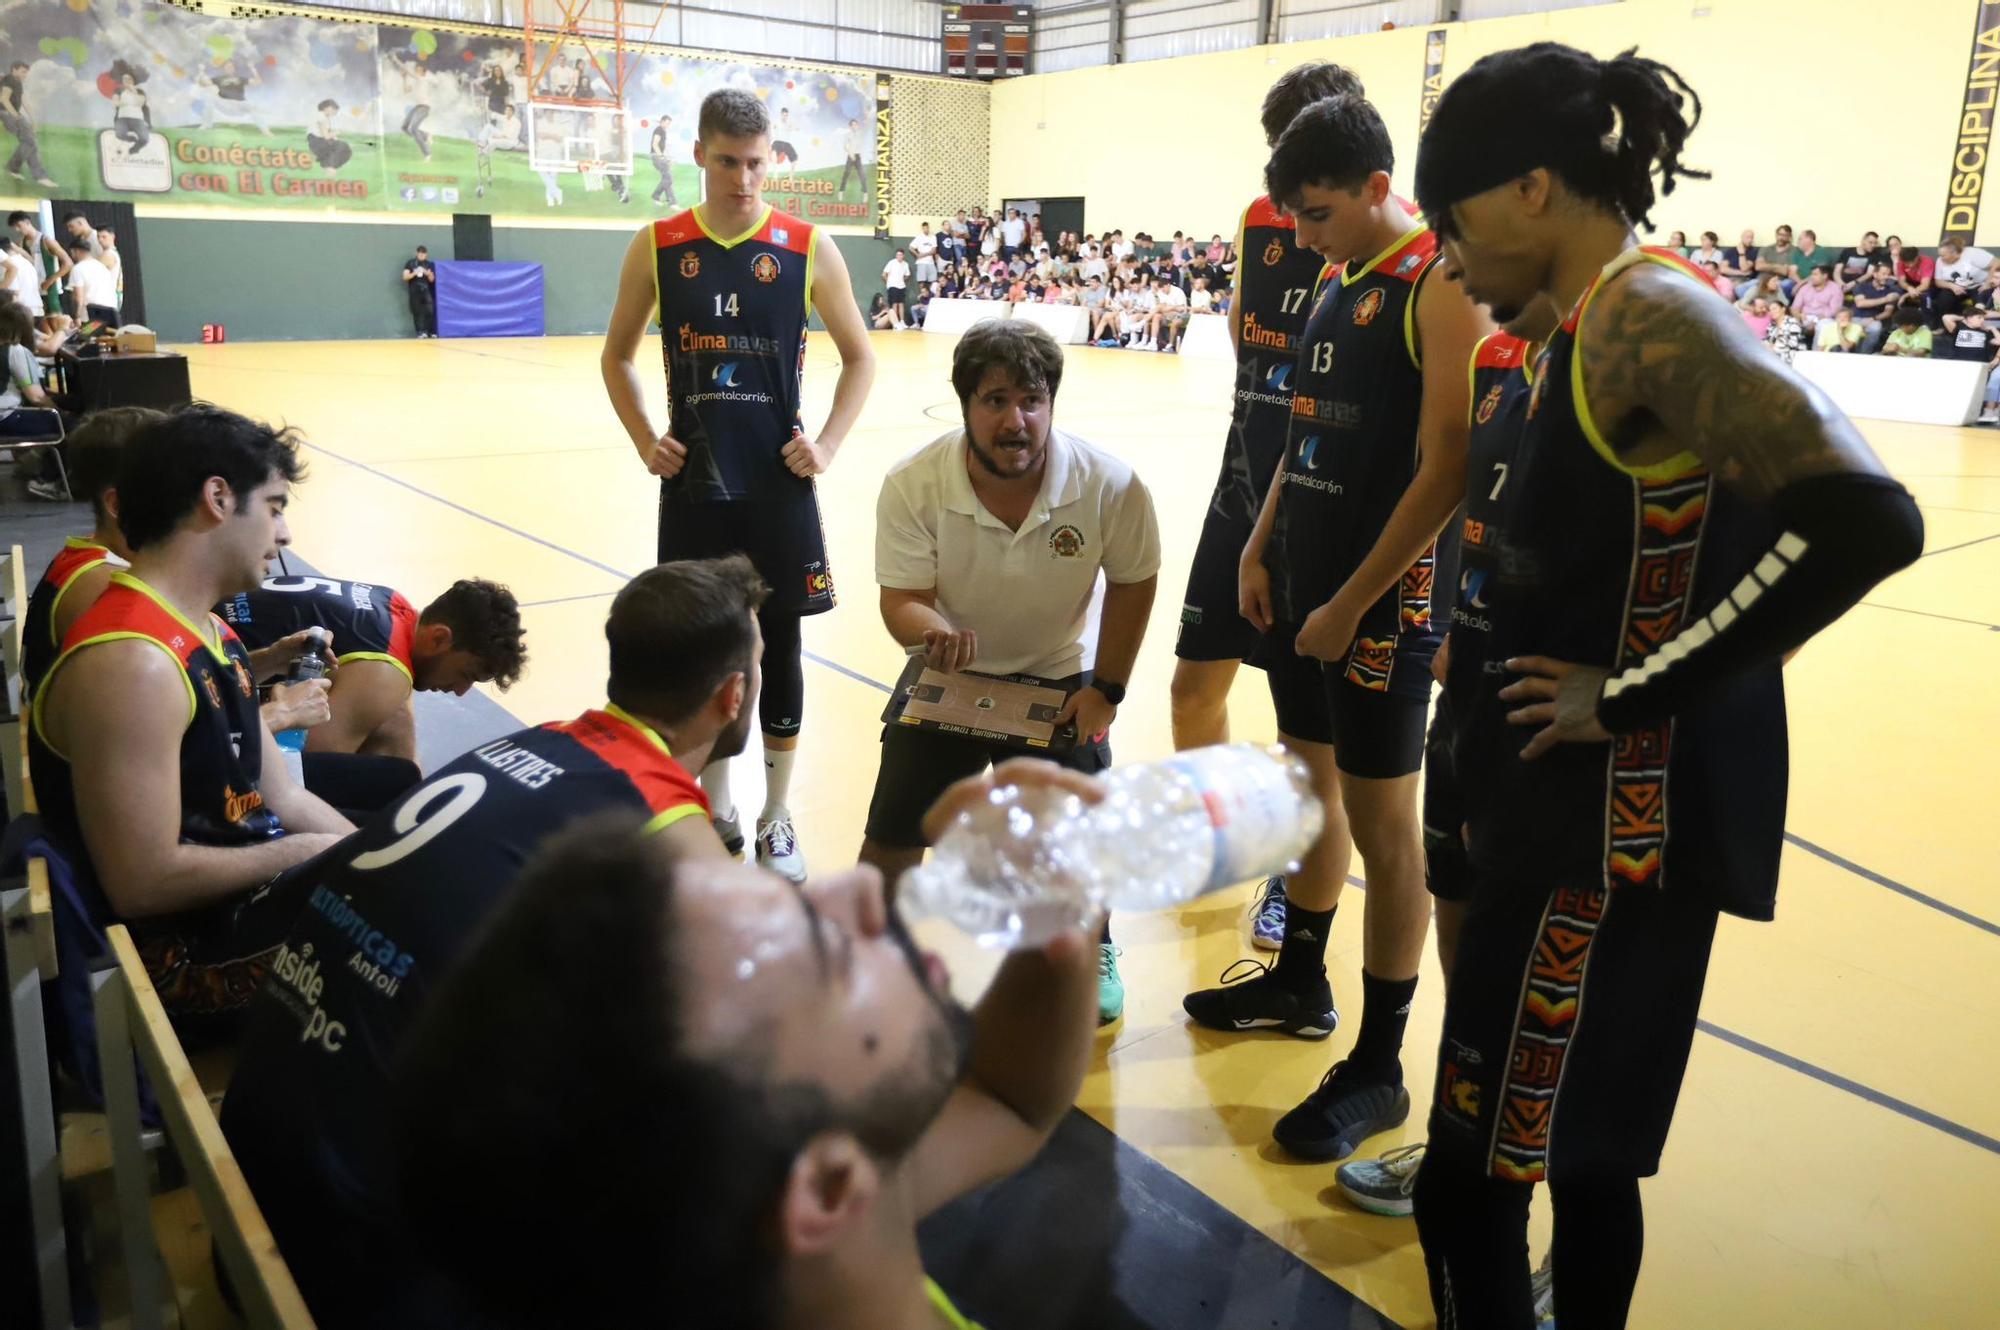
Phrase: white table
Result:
[1068,324]
[1208,337]
[1927,392]
[953,317]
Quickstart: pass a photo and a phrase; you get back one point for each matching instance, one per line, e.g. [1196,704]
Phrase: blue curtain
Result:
[489,299]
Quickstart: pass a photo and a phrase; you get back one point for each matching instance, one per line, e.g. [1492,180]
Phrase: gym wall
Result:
[1814,115]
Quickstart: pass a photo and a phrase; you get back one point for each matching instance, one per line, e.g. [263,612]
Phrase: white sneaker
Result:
[778,848]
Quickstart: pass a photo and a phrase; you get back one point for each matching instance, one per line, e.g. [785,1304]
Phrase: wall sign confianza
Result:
[1969,153]
[1433,86]
[884,156]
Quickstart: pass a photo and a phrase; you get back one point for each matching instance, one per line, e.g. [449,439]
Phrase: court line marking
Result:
[1963,544]
[1948,618]
[1783,1059]
[564,600]
[1942,907]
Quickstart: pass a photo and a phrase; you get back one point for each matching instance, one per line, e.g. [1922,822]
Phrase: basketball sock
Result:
[1302,955]
[715,782]
[1385,1010]
[777,781]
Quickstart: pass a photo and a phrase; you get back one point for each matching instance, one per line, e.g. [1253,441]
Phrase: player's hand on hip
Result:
[805,457]
[949,649]
[664,457]
[1561,698]
[1328,631]
[1253,594]
[1091,710]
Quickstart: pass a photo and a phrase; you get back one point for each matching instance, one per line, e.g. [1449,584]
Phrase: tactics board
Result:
[1017,710]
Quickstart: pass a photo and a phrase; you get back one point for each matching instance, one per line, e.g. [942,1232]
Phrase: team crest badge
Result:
[1274,253]
[764,268]
[819,582]
[690,264]
[243,683]
[1489,404]
[214,693]
[1066,542]
[1367,308]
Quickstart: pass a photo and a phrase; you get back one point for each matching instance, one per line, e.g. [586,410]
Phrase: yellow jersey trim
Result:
[953,1317]
[661,821]
[1671,468]
[659,299]
[55,606]
[1372,264]
[42,693]
[343,658]
[211,639]
[617,712]
[812,261]
[702,222]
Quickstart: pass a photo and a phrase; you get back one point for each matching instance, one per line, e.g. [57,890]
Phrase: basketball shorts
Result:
[1567,1028]
[1211,626]
[784,541]
[1376,733]
[1447,870]
[918,765]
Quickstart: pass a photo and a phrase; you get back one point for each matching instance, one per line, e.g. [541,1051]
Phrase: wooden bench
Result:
[130,1019]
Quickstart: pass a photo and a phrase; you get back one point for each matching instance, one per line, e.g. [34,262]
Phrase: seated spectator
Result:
[385,651]
[1856,263]
[1914,273]
[52,332]
[1780,260]
[28,410]
[1912,337]
[1723,286]
[1740,262]
[1966,337]
[879,316]
[1707,252]
[1092,300]
[1201,300]
[1786,334]
[157,778]
[1677,241]
[1217,250]
[1955,280]
[1768,288]
[1839,333]
[1105,331]
[1980,259]
[1808,255]
[1757,313]
[1818,298]
[782,1126]
[1137,320]
[310,1128]
[1875,300]
[1170,316]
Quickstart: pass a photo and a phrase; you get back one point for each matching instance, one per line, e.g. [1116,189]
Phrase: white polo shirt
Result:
[1027,593]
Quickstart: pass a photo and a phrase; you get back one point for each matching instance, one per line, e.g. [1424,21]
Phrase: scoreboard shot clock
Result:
[987,41]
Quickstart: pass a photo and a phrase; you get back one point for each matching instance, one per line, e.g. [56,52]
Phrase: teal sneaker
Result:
[1383,1186]
[1110,988]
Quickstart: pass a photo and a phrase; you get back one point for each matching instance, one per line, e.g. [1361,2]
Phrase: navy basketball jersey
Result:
[733,331]
[1358,391]
[221,755]
[1502,371]
[368,622]
[39,645]
[385,913]
[1276,281]
[1603,563]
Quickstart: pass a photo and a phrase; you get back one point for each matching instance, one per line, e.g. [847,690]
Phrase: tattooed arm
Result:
[1670,371]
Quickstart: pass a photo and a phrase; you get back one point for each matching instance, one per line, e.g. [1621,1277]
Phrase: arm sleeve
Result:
[1842,534]
[905,547]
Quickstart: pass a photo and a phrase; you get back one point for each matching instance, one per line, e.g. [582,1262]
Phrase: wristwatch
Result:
[1114,693]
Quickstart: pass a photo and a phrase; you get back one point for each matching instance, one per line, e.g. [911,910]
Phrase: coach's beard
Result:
[1019,443]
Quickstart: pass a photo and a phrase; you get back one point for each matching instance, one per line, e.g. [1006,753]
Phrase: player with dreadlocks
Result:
[1683,509]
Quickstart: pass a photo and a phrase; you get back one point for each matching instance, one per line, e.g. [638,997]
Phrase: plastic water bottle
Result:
[1025,865]
[306,666]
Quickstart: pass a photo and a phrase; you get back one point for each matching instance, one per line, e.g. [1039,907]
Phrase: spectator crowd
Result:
[1139,292]
[1879,297]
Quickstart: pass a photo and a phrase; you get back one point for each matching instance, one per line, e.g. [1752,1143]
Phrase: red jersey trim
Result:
[641,755]
[403,632]
[1499,351]
[1263,212]
[798,234]
[676,230]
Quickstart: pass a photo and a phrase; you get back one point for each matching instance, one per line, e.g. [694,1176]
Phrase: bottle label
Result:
[1252,810]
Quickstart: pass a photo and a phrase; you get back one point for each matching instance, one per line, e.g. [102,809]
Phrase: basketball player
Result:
[156,777]
[789,1083]
[1265,325]
[1682,510]
[731,283]
[384,917]
[1340,571]
[1502,372]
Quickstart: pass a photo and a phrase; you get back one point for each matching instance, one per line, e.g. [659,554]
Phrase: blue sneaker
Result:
[1267,915]
[1110,988]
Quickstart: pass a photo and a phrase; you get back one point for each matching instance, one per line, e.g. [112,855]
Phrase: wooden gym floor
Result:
[1836,1159]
